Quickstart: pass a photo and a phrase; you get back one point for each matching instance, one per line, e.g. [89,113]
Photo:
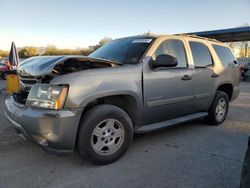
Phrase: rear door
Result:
[168,92]
[204,76]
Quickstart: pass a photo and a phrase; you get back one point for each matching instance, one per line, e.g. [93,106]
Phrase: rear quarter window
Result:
[225,55]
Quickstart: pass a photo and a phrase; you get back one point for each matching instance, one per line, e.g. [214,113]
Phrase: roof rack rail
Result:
[199,37]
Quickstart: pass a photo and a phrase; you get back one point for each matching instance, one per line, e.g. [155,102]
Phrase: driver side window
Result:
[174,48]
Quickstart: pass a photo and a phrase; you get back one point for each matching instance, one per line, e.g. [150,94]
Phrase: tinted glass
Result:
[174,48]
[201,54]
[126,50]
[225,55]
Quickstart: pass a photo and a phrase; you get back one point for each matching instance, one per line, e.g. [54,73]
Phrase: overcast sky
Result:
[72,24]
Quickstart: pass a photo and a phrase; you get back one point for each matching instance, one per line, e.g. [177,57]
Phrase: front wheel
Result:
[105,134]
[219,108]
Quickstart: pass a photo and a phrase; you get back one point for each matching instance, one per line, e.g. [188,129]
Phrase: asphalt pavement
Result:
[193,154]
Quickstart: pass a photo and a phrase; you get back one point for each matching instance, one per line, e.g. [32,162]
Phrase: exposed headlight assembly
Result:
[47,96]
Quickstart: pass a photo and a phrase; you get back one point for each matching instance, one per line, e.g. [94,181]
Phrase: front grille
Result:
[27,82]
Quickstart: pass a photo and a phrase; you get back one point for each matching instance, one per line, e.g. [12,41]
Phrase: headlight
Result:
[47,96]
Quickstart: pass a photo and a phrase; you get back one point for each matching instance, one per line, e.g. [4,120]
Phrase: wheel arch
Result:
[127,102]
[227,88]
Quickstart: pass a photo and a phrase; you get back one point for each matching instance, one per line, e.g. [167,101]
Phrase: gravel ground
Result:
[190,155]
[2,85]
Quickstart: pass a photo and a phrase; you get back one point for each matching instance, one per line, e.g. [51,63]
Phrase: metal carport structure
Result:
[227,35]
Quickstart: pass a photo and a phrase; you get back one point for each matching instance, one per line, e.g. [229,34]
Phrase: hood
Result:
[57,65]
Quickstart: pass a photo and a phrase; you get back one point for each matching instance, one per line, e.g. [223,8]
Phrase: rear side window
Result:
[201,54]
[174,48]
[225,55]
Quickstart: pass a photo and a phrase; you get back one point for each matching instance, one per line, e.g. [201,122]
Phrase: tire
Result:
[217,115]
[97,147]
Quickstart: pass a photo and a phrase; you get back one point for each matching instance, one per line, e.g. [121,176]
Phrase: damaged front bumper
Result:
[54,130]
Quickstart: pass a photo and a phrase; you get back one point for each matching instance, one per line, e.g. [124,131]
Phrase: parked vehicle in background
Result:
[3,66]
[131,85]
[245,72]
[3,69]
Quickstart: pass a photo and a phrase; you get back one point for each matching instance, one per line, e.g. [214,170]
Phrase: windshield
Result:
[126,50]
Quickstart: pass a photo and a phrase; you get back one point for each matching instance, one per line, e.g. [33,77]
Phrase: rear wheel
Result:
[219,108]
[105,134]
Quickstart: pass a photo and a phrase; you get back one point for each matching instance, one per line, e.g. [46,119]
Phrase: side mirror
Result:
[164,60]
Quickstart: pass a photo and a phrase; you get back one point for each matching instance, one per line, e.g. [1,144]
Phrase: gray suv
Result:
[131,85]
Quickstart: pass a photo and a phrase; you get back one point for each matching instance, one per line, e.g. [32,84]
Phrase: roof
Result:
[226,35]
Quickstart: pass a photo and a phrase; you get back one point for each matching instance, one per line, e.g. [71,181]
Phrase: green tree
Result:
[30,51]
[244,44]
[4,53]
[50,50]
[102,42]
[85,51]
[27,52]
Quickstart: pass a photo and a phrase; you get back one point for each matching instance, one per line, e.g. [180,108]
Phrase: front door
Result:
[168,92]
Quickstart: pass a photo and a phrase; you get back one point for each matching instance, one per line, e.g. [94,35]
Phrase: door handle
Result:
[186,77]
[214,75]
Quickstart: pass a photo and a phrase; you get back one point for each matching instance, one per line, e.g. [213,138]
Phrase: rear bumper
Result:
[54,130]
